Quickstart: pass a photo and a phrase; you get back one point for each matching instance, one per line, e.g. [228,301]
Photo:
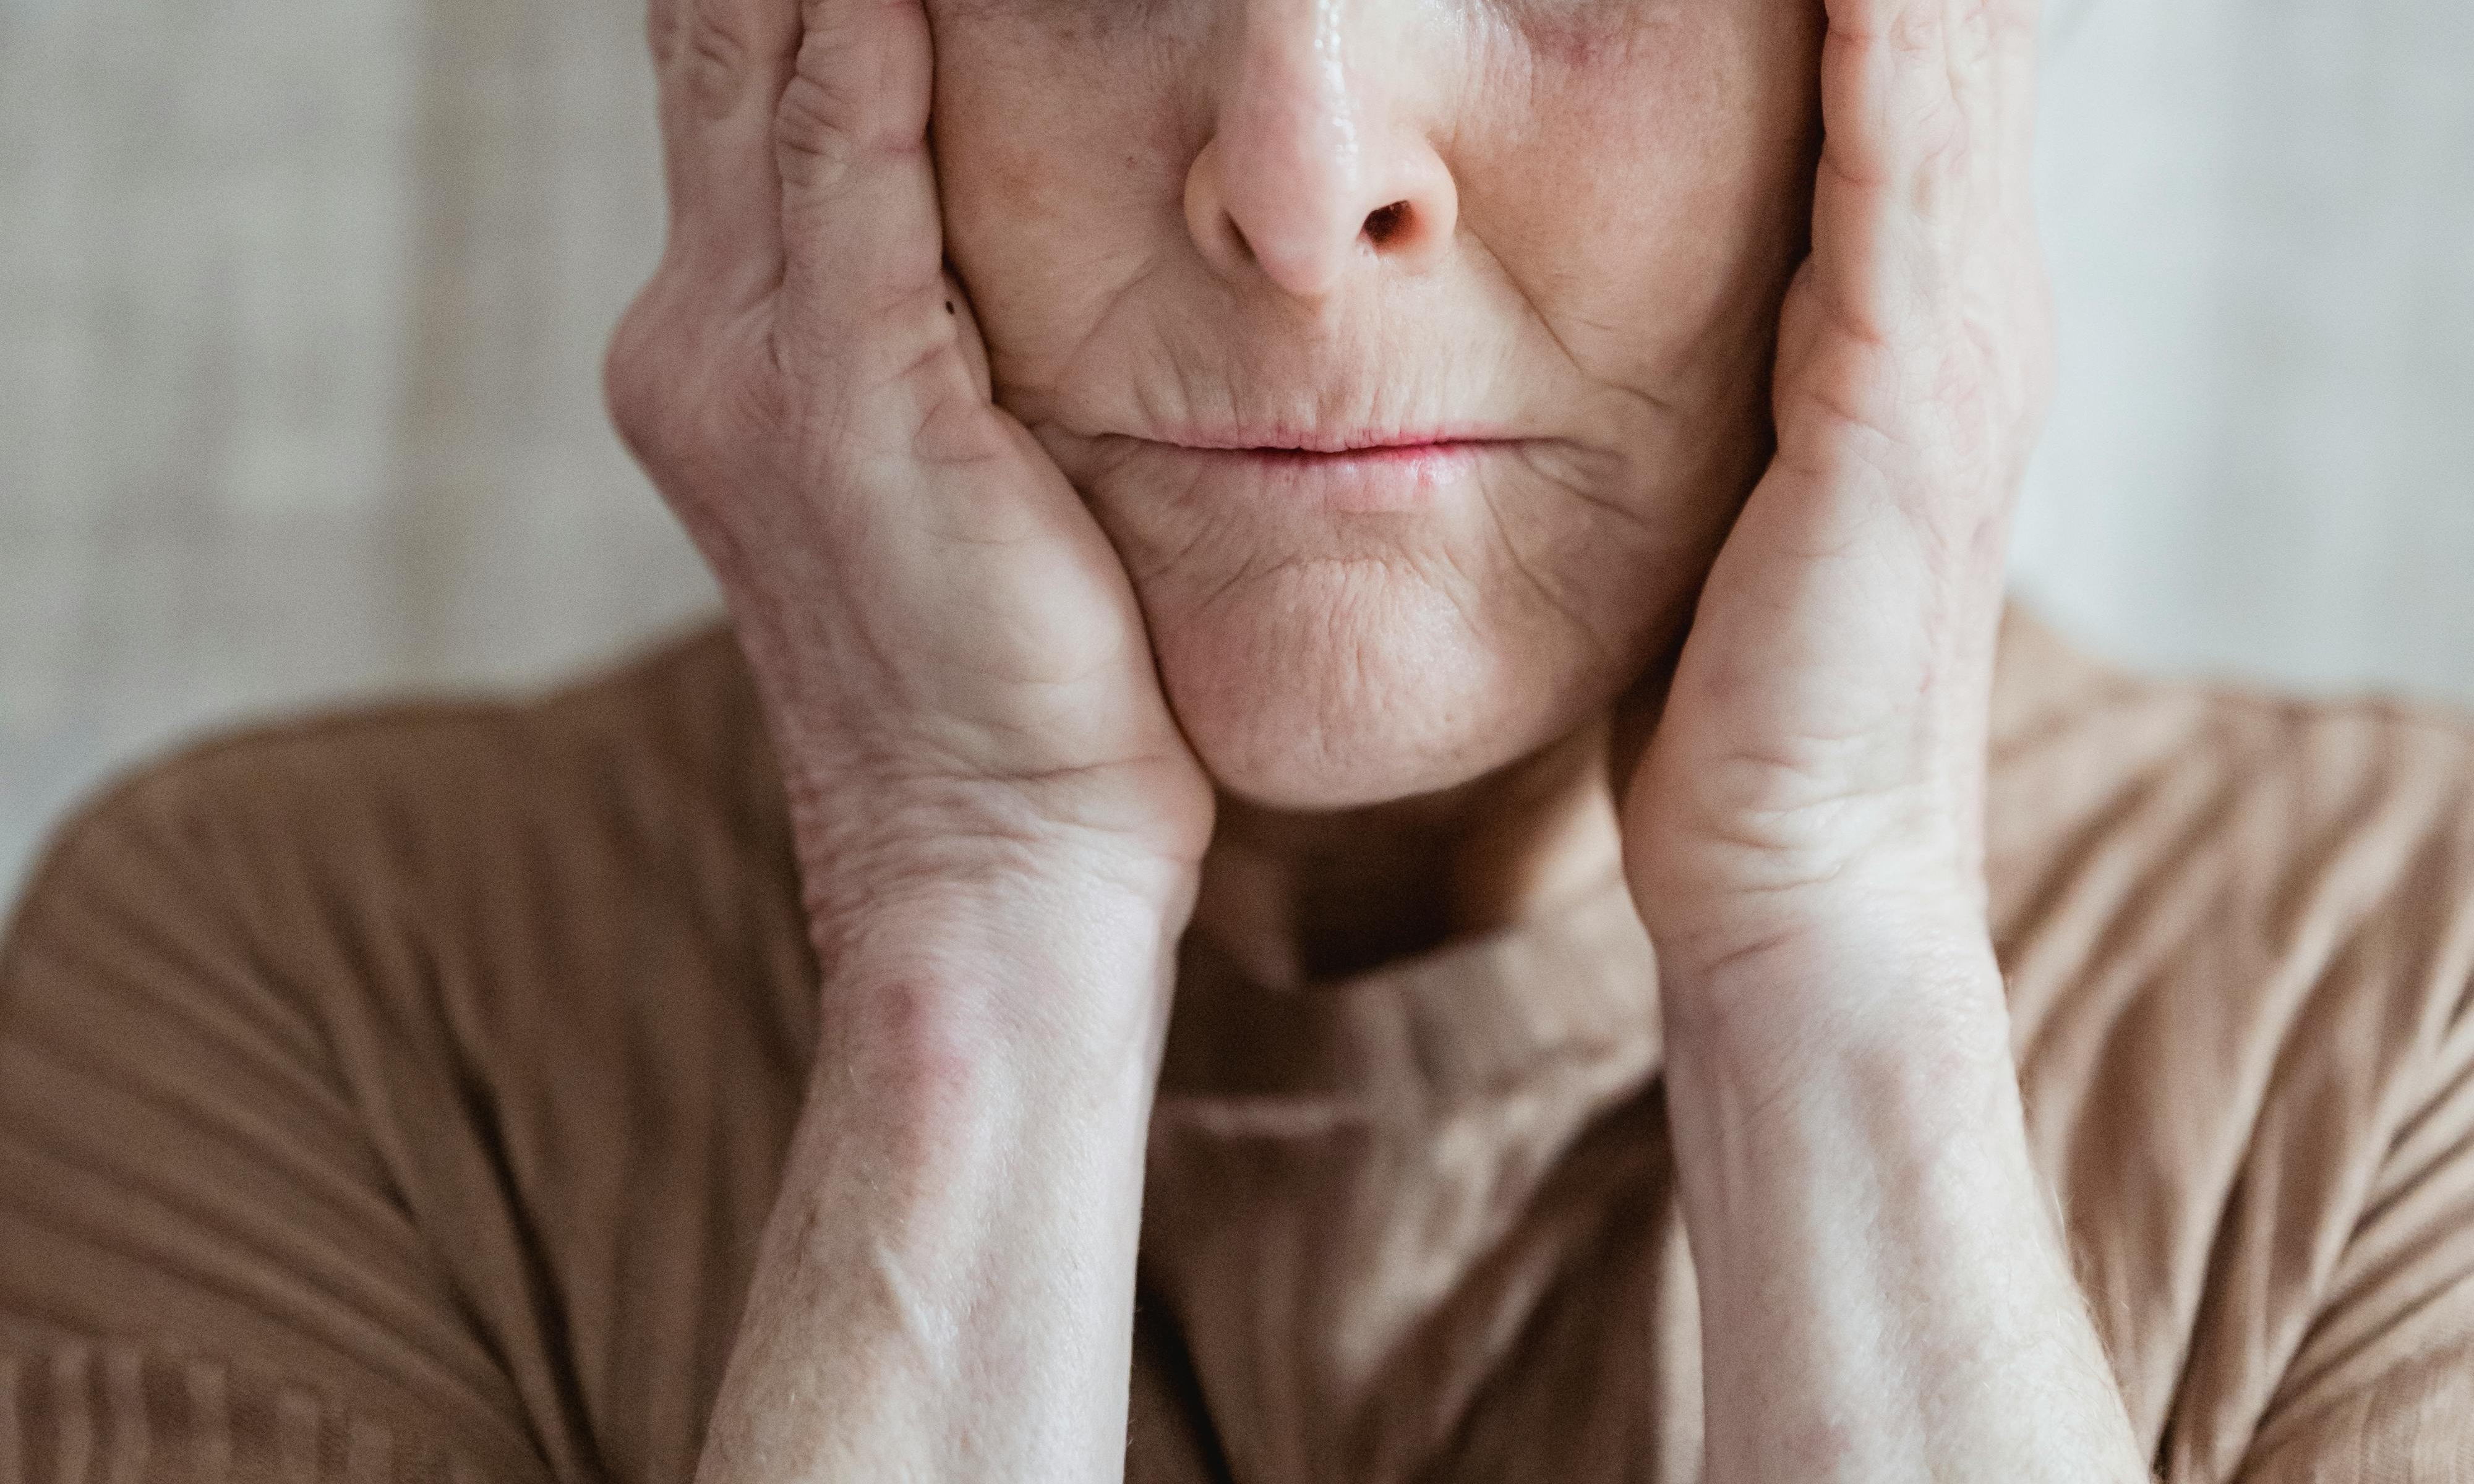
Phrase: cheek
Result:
[1058,144]
[1652,194]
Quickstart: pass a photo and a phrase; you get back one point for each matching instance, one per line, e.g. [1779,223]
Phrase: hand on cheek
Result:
[955,671]
[1885,1288]
[1814,785]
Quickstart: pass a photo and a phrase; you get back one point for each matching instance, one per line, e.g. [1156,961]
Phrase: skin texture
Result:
[1022,452]
[1158,212]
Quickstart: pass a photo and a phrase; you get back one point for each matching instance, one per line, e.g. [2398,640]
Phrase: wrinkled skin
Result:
[1330,410]
[1293,224]
[1603,203]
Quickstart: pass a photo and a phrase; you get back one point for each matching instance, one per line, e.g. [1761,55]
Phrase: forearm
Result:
[945,1288]
[1885,1290]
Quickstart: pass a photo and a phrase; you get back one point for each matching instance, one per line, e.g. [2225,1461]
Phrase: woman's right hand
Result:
[951,658]
[999,824]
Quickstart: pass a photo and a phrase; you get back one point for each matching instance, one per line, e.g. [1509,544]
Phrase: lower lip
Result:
[1393,479]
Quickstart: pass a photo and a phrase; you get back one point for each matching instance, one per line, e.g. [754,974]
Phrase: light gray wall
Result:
[302,300]
[302,304]
[2261,219]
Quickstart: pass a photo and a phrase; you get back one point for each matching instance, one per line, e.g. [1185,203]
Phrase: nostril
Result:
[1385,223]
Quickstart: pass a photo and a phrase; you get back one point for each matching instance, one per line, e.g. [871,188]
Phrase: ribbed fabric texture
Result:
[399,1096]
[84,1413]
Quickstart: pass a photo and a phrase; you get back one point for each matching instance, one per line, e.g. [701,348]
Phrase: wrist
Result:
[1728,895]
[948,987]
[861,837]
[1906,977]
[1839,1079]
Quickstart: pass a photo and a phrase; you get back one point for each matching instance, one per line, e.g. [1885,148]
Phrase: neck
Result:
[1297,899]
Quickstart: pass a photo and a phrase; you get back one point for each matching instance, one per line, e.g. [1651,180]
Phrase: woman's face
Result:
[1412,353]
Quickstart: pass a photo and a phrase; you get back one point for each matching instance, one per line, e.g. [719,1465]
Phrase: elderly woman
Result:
[1363,826]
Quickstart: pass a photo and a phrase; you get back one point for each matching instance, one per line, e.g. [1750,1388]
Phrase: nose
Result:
[1309,170]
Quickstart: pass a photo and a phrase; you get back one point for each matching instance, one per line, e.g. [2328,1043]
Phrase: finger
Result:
[2017,41]
[723,64]
[862,274]
[1929,71]
[661,31]
[1924,107]
[1992,71]
[1887,124]
[1859,168]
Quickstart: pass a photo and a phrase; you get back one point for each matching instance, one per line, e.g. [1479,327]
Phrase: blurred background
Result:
[301,305]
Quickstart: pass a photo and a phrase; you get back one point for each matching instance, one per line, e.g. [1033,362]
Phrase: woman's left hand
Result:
[1816,778]
[1884,1291]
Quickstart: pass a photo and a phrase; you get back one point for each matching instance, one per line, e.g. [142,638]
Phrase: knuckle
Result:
[661,31]
[812,131]
[720,57]
[1917,32]
[857,92]
[638,381]
[684,395]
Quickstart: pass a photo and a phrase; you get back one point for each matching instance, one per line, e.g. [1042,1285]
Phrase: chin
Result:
[1326,686]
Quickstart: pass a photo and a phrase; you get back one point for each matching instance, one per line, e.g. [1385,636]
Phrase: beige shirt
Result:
[397,1096]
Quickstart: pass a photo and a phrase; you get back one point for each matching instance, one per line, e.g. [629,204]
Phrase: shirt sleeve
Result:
[2381,1389]
[206,1271]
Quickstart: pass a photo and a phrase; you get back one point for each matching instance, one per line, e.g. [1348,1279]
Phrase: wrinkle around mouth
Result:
[1581,490]
[1529,573]
[1662,406]
[1172,390]
[1064,365]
